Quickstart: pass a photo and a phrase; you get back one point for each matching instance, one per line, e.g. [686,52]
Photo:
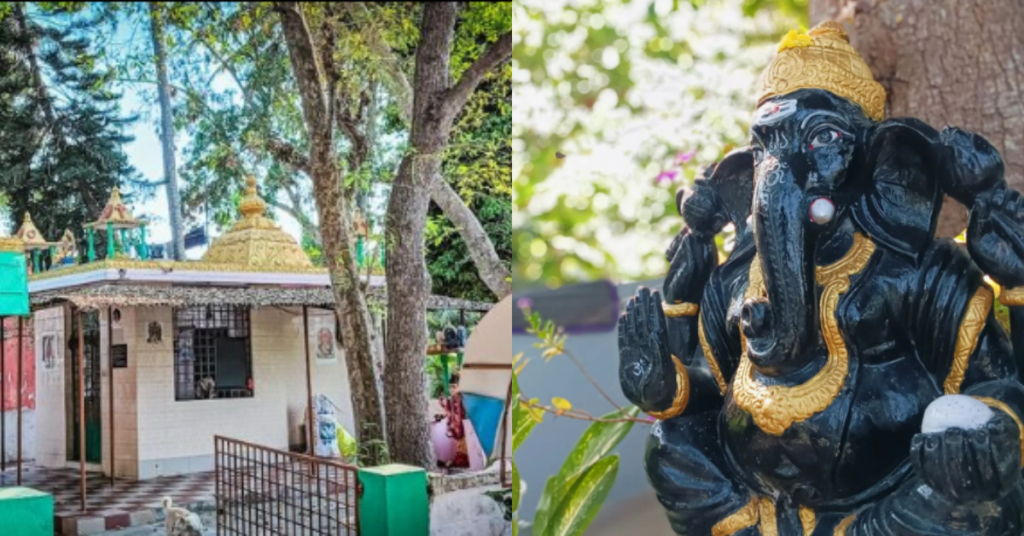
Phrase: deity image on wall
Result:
[325,343]
[49,352]
[842,371]
[155,333]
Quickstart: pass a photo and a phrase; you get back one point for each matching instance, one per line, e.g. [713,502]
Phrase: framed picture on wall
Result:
[324,344]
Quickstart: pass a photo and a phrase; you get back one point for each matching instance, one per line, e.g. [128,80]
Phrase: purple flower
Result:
[667,176]
[524,303]
[683,158]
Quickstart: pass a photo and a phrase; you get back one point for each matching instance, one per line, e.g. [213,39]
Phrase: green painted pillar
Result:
[110,242]
[143,247]
[125,247]
[36,264]
[394,501]
[53,256]
[92,244]
[26,512]
[360,251]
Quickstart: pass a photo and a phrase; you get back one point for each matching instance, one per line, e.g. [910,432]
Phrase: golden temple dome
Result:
[255,240]
[30,235]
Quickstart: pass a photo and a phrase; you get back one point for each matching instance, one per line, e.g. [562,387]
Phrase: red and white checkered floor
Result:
[123,504]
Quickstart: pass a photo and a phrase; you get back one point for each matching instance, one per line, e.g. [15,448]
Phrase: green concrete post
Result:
[360,251]
[394,501]
[142,240]
[92,245]
[126,248]
[26,512]
[111,238]
[35,262]
[446,374]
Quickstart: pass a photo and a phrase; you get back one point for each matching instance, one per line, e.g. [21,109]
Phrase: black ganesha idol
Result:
[842,372]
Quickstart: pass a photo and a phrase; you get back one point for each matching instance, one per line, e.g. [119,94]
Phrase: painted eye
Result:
[825,137]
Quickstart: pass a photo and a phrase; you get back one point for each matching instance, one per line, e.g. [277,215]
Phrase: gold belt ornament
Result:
[761,511]
[776,407]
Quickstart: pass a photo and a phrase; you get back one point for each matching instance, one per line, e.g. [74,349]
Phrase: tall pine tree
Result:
[61,129]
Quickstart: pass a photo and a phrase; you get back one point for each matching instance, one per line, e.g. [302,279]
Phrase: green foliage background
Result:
[609,95]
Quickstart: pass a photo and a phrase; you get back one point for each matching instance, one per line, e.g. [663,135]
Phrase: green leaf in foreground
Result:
[579,507]
[522,423]
[599,439]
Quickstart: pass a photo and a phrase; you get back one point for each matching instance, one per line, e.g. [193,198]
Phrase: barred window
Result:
[212,352]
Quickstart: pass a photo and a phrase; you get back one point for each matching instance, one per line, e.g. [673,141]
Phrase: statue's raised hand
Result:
[967,466]
[646,371]
[995,235]
[692,254]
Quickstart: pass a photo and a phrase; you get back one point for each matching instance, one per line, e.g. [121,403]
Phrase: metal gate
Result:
[261,490]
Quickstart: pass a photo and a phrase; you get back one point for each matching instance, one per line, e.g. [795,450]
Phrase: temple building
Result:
[140,362]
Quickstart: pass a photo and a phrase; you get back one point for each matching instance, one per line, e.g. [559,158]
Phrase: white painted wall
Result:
[155,434]
[50,444]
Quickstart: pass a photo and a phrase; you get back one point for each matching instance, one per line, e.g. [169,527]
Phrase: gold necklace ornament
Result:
[776,407]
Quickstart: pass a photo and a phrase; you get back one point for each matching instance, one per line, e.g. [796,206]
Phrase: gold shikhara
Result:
[823,59]
[255,240]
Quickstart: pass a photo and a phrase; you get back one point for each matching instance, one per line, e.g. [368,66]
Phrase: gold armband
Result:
[682,393]
[1012,296]
[674,310]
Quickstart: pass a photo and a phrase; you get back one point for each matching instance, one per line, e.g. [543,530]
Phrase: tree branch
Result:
[455,98]
[309,73]
[400,85]
[492,271]
[287,153]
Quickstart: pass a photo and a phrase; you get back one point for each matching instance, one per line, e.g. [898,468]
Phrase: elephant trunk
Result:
[777,328]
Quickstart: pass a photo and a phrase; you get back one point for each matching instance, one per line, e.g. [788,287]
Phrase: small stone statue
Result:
[842,372]
[67,250]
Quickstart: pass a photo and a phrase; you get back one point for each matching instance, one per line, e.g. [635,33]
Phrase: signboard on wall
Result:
[119,355]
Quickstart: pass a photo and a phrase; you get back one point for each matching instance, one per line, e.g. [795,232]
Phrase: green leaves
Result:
[572,497]
[522,419]
[584,499]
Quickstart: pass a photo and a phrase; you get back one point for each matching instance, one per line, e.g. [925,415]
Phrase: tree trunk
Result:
[405,399]
[163,89]
[335,227]
[947,62]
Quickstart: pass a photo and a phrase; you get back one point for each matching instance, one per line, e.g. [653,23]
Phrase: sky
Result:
[145,152]
[146,155]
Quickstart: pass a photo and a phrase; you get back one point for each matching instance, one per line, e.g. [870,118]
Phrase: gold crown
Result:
[823,59]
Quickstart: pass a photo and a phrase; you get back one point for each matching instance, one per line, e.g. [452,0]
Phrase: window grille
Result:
[212,352]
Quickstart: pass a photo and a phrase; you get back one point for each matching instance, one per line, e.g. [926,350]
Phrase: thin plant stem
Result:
[580,414]
[593,382]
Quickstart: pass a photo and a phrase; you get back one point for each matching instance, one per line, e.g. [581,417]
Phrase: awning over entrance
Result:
[125,295]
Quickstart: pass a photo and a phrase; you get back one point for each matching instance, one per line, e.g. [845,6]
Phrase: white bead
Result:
[822,211]
[955,411]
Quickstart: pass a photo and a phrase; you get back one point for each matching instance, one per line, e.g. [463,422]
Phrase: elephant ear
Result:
[901,201]
[733,181]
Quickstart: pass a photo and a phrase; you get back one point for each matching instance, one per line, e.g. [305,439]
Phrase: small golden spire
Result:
[117,213]
[30,235]
[252,205]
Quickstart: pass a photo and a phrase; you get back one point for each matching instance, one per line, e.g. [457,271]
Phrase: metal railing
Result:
[261,490]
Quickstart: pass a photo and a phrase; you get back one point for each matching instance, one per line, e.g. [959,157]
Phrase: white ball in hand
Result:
[955,411]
